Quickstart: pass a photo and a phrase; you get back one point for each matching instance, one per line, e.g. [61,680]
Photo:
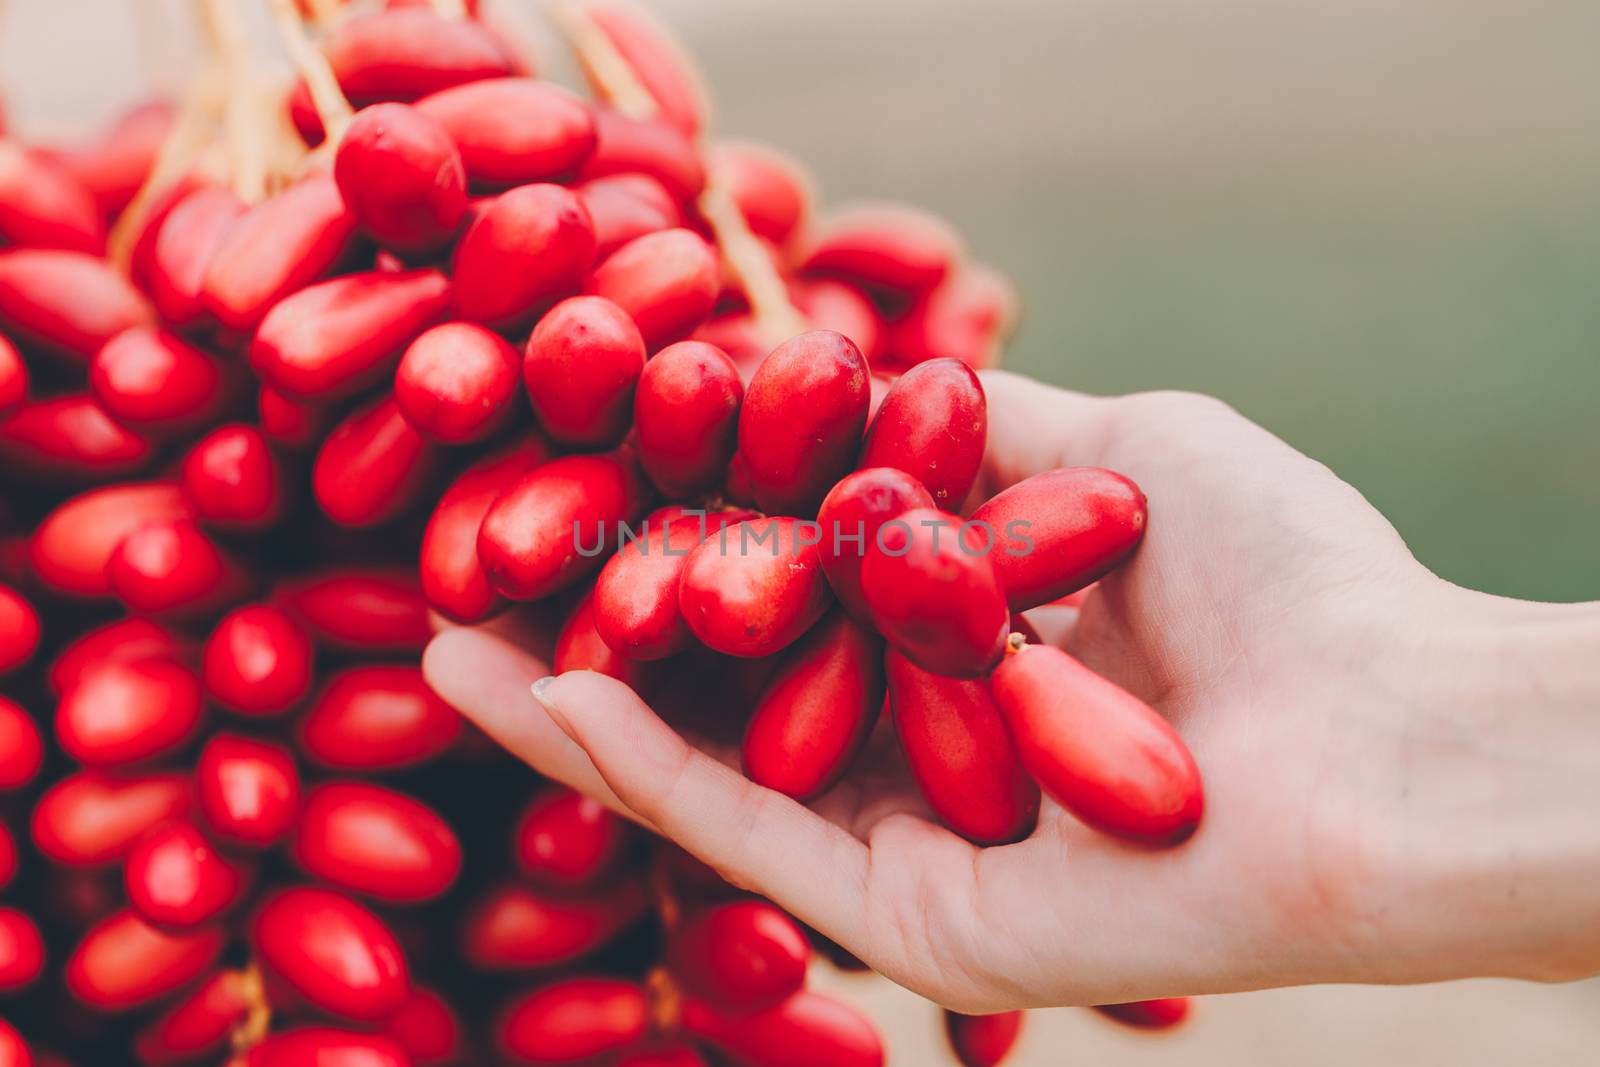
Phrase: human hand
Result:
[1271,615]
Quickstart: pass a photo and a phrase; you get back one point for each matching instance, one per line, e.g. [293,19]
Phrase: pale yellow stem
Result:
[246,138]
[326,96]
[608,72]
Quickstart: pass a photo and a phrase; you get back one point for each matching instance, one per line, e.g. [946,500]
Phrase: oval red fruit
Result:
[176,880]
[200,1024]
[583,360]
[516,928]
[982,1040]
[932,425]
[21,950]
[91,818]
[377,718]
[371,467]
[686,410]
[851,515]
[174,569]
[402,177]
[526,249]
[232,479]
[146,375]
[807,1030]
[325,1047]
[121,713]
[455,381]
[19,629]
[772,189]
[512,131]
[890,247]
[67,303]
[625,206]
[754,587]
[124,962]
[21,748]
[1159,1014]
[574,1021]
[376,841]
[569,841]
[257,661]
[666,281]
[369,609]
[248,790]
[333,952]
[173,265]
[71,547]
[745,955]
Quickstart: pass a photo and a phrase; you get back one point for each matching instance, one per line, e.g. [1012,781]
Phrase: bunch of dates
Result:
[285,387]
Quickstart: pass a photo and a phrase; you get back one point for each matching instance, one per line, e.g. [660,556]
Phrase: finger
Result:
[755,837]
[487,680]
[1035,427]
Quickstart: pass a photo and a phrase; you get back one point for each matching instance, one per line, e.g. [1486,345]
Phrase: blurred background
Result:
[1372,226]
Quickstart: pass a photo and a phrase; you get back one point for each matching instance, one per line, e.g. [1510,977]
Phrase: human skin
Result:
[1402,775]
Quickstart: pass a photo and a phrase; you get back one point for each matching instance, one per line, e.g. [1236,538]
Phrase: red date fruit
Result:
[276,248]
[772,189]
[982,1040]
[576,1020]
[175,879]
[66,303]
[402,177]
[247,790]
[851,516]
[932,425]
[173,268]
[71,547]
[829,304]
[686,410]
[513,131]
[801,422]
[340,336]
[890,247]
[516,928]
[21,748]
[370,610]
[569,841]
[21,950]
[200,1024]
[1058,531]
[754,587]
[122,713]
[583,360]
[19,630]
[817,711]
[120,641]
[427,1028]
[288,422]
[175,570]
[377,718]
[70,437]
[1161,1014]
[666,281]
[124,962]
[257,661]
[371,467]
[579,647]
[43,205]
[452,578]
[933,592]
[626,145]
[13,377]
[963,760]
[232,479]
[807,1030]
[636,609]
[548,529]
[333,952]
[91,818]
[967,317]
[14,1051]
[454,382]
[745,955]
[375,841]
[625,206]
[1098,750]
[325,1047]
[527,248]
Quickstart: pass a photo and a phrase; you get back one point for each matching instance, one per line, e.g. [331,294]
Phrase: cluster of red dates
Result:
[499,329]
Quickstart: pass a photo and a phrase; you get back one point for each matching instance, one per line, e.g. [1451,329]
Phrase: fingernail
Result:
[540,688]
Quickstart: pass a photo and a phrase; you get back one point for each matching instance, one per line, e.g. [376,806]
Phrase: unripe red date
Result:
[43,205]
[200,1024]
[625,206]
[1161,1014]
[516,928]
[174,570]
[365,609]
[754,587]
[636,607]
[582,363]
[579,647]
[889,247]
[569,841]
[145,375]
[932,425]
[174,268]
[772,190]
[69,438]
[626,145]
[686,411]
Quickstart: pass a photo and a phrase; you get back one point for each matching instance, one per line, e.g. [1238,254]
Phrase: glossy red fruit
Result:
[232,479]
[1058,531]
[122,713]
[124,962]
[93,818]
[145,375]
[19,629]
[333,952]
[174,569]
[452,578]
[173,270]
[964,762]
[933,425]
[755,587]
[932,590]
[816,713]
[636,608]
[21,950]
[454,382]
[70,437]
[318,1046]
[851,516]
[248,791]
[512,131]
[829,304]
[807,1030]
[625,145]
[402,177]
[566,840]
[967,317]
[42,205]
[744,956]
[21,748]
[666,281]
[377,718]
[427,1028]
[801,423]
[340,336]
[1160,1014]
[579,647]
[772,189]
[657,60]
[982,1040]
[279,246]
[9,860]
[526,249]
[199,1025]
[376,841]
[257,661]
[66,303]
[550,527]
[13,377]
[125,639]
[71,547]
[576,1020]
[368,609]
[625,206]
[371,467]
[1098,750]
[516,928]
[890,247]
[686,410]
[14,1051]
[581,364]
[176,880]
[116,164]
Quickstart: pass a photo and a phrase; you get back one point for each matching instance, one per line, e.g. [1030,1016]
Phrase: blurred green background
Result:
[1372,226]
